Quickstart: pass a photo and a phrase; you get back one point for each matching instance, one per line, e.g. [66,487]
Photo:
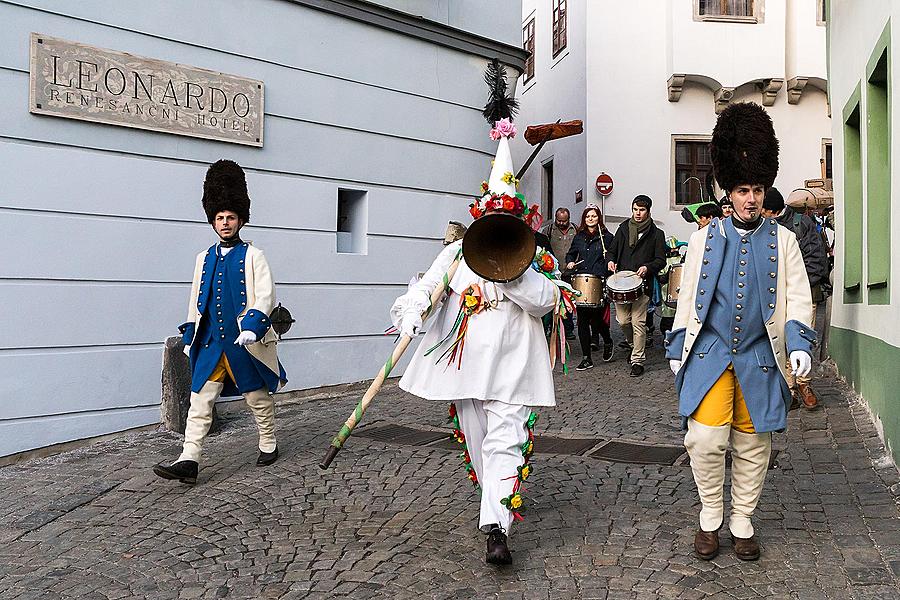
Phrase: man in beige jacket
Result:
[743,315]
[228,334]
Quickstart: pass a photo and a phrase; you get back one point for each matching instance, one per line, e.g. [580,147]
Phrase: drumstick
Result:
[575,265]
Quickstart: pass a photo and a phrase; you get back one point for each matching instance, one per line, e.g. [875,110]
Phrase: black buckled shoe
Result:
[184,471]
[267,458]
[636,370]
[497,550]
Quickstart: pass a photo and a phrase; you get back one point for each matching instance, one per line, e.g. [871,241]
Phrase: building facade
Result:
[864,337]
[368,151]
[648,78]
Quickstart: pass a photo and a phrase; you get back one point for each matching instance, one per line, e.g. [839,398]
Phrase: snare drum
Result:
[673,286]
[624,287]
[591,288]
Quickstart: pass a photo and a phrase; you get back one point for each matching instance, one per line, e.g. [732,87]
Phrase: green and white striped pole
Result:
[356,416]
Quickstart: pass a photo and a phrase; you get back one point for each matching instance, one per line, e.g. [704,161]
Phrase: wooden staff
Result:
[356,416]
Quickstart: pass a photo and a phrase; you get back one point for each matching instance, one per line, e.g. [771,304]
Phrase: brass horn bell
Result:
[499,247]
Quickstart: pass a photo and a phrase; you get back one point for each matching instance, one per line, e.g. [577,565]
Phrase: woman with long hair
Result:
[586,255]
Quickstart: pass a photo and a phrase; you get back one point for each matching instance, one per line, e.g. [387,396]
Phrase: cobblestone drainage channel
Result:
[612,451]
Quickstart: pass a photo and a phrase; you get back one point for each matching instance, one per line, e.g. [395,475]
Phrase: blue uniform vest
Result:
[221,299]
[734,330]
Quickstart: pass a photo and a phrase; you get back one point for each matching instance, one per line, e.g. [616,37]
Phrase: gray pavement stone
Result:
[391,521]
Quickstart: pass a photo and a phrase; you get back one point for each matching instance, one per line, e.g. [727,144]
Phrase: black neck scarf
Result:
[744,225]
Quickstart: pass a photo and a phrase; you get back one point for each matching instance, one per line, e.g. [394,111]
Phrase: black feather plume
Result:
[499,105]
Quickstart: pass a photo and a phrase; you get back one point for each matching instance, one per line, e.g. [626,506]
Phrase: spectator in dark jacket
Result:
[815,258]
[587,255]
[639,246]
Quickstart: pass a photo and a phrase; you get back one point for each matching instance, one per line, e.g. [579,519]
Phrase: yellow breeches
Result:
[222,369]
[724,404]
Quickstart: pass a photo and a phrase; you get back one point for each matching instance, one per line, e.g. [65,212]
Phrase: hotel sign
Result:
[78,81]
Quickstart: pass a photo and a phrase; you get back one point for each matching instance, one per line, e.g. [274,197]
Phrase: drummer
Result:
[639,246]
[586,255]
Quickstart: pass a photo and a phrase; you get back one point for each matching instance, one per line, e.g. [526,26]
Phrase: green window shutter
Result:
[853,201]
[878,171]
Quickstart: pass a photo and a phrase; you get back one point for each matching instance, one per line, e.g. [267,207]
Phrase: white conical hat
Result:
[503,165]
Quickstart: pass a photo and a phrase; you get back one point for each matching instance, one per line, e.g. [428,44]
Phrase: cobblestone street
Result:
[392,520]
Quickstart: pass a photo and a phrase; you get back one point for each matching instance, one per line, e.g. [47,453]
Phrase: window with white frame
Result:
[826,156]
[820,12]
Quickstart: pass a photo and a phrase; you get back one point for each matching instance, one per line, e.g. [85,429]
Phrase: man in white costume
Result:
[499,366]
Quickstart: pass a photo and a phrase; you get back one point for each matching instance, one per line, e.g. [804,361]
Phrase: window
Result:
[693,171]
[853,201]
[741,10]
[528,44]
[352,218]
[559,26]
[820,12]
[826,157]
[547,203]
[878,173]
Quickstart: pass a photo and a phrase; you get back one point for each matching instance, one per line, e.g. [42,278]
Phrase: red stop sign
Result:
[604,184]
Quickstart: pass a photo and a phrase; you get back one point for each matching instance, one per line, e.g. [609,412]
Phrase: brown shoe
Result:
[807,395]
[706,544]
[746,548]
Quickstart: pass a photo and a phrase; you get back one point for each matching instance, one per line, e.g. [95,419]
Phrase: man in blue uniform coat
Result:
[228,334]
[743,316]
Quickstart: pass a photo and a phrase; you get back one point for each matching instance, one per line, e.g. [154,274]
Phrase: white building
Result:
[647,78]
[865,336]
[372,106]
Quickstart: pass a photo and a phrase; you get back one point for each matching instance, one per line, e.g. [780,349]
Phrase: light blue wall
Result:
[102,223]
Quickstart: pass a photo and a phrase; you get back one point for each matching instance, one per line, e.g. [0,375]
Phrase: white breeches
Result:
[495,432]
[199,418]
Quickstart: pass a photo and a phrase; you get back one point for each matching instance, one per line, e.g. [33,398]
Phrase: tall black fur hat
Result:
[744,149]
[225,188]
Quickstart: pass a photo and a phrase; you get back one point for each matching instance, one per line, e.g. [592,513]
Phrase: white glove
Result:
[410,323]
[675,365]
[801,363]
[245,337]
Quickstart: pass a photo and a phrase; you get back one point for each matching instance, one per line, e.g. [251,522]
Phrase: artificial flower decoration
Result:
[547,262]
[524,472]
[453,418]
[503,128]
[510,179]
[528,448]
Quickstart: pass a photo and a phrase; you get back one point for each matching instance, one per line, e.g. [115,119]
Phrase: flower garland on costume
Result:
[461,438]
[471,302]
[545,264]
[514,501]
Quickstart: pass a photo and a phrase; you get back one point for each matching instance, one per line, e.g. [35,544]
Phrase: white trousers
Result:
[495,432]
[199,418]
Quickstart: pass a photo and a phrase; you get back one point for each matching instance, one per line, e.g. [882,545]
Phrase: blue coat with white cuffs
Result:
[232,293]
[744,300]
